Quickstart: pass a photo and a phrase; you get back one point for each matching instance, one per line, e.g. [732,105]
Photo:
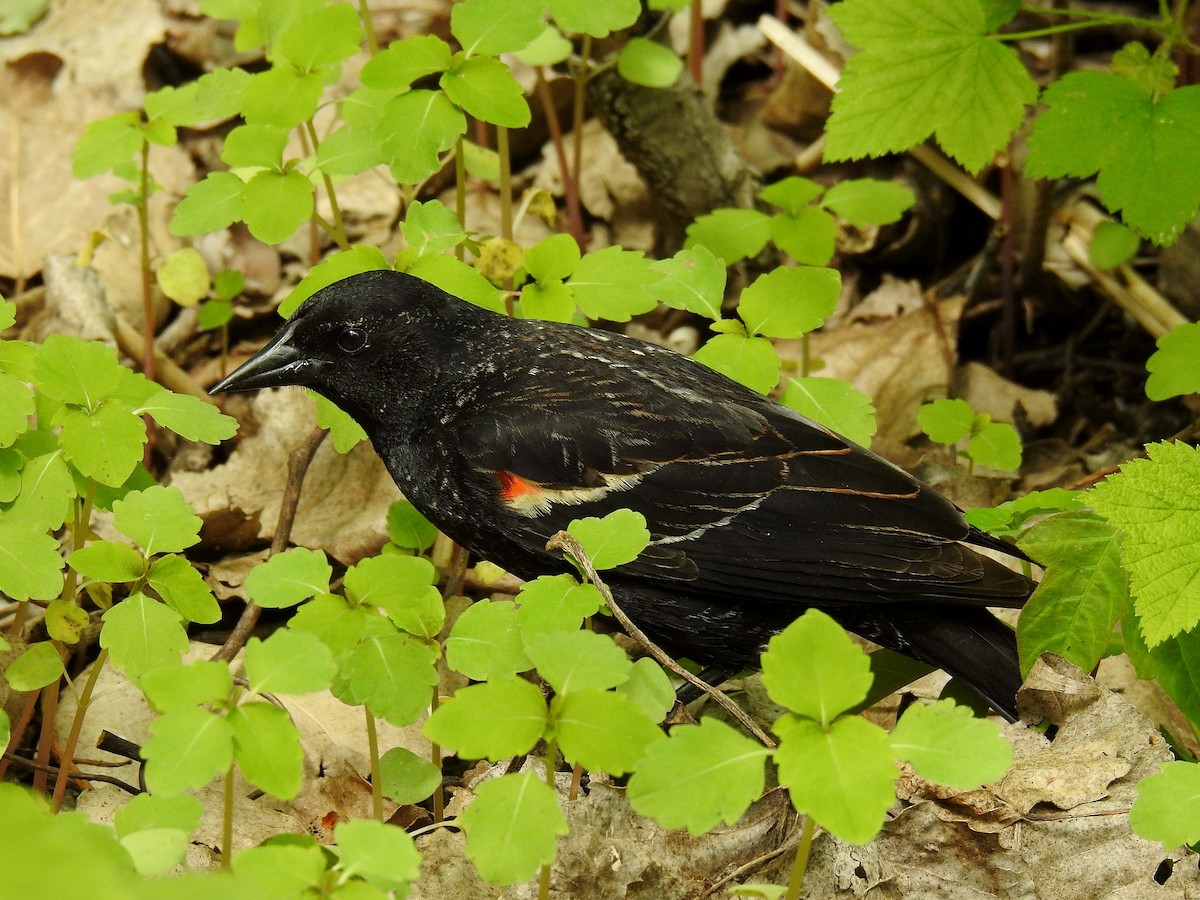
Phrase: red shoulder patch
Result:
[514,487]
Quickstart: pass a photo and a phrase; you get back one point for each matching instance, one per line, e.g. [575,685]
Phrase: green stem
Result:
[376,771]
[805,355]
[800,865]
[364,16]
[435,757]
[1099,18]
[143,213]
[336,229]
[227,822]
[67,757]
[460,190]
[581,80]
[79,529]
[544,875]
[506,217]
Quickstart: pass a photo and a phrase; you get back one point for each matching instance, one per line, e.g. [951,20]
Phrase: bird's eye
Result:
[352,340]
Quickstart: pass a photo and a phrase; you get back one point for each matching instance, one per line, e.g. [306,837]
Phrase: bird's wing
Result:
[741,497]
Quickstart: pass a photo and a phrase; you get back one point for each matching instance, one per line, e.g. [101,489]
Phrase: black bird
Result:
[501,431]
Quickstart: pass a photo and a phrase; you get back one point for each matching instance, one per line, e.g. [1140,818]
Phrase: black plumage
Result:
[501,431]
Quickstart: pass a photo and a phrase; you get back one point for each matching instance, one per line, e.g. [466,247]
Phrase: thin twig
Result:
[566,542]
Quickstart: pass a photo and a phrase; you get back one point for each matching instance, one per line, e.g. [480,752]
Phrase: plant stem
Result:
[67,759]
[570,182]
[435,757]
[460,190]
[143,214]
[337,228]
[1076,26]
[506,217]
[800,865]
[1100,18]
[544,875]
[46,737]
[364,16]
[227,821]
[581,80]
[805,355]
[18,729]
[376,771]
[696,42]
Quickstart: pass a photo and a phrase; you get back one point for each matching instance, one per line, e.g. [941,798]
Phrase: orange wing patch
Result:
[531,499]
[514,488]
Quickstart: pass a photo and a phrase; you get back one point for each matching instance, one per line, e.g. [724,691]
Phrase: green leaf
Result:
[380,854]
[547,49]
[484,28]
[142,634]
[254,147]
[813,668]
[431,227]
[1081,595]
[809,236]
[998,445]
[187,749]
[552,301]
[649,687]
[37,667]
[578,660]
[611,284]
[1097,122]
[16,406]
[339,625]
[46,491]
[283,870]
[457,278]
[926,67]
[552,258]
[174,687]
[648,63]
[946,421]
[787,303]
[836,404]
[406,778]
[183,276]
[485,88]
[693,280]
[403,587]
[511,827]
[392,674]
[601,730]
[66,622]
[219,94]
[1156,503]
[71,370]
[403,62]
[555,603]
[335,267]
[494,720]
[183,589]
[346,433]
[209,205]
[213,314]
[1112,244]
[158,519]
[105,445]
[282,97]
[1171,663]
[843,776]
[155,851]
[1167,809]
[30,564]
[266,746]
[948,745]
[1173,368]
[864,202]
[614,540]
[730,234]
[289,661]
[108,561]
[289,578]
[1153,74]
[20,16]
[275,204]
[417,126]
[407,528]
[324,37]
[792,194]
[106,144]
[189,417]
[485,642]
[145,811]
[349,151]
[700,776]
[748,360]
[595,19]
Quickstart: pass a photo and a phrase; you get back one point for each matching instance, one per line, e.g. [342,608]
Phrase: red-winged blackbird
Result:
[501,431]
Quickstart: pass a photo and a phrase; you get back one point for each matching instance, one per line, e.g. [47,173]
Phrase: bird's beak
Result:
[275,365]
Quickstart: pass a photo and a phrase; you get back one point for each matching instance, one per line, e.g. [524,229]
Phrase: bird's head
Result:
[368,342]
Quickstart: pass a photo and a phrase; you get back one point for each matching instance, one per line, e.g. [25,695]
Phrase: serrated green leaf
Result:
[335,267]
[1156,503]
[730,234]
[183,589]
[142,634]
[1175,366]
[213,314]
[457,278]
[602,730]
[595,19]
[946,421]
[1167,809]
[66,622]
[493,720]
[187,749]
[1097,122]
[174,687]
[649,687]
[37,667]
[339,625]
[346,433]
[75,371]
[948,745]
[254,147]
[108,561]
[692,279]
[1081,594]
[189,417]
[834,403]
[105,445]
[219,94]
[868,201]
[485,642]
[155,851]
[551,301]
[282,97]
[30,564]
[266,746]
[747,360]
[614,540]
[403,587]
[415,127]
[107,143]
[787,303]
[209,205]
[792,194]
[289,578]
[382,855]
[1154,74]
[813,668]
[700,776]
[547,49]
[284,870]
[648,63]
[555,603]
[158,519]
[407,528]
[146,811]
[611,284]
[348,151]
[183,276]
[578,660]
[16,406]
[809,237]
[843,776]
[926,67]
[406,778]
[392,674]
[47,489]
[403,62]
[321,38]
[431,227]
[289,661]
[998,445]
[485,88]
[485,29]
[275,204]
[552,258]
[511,827]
